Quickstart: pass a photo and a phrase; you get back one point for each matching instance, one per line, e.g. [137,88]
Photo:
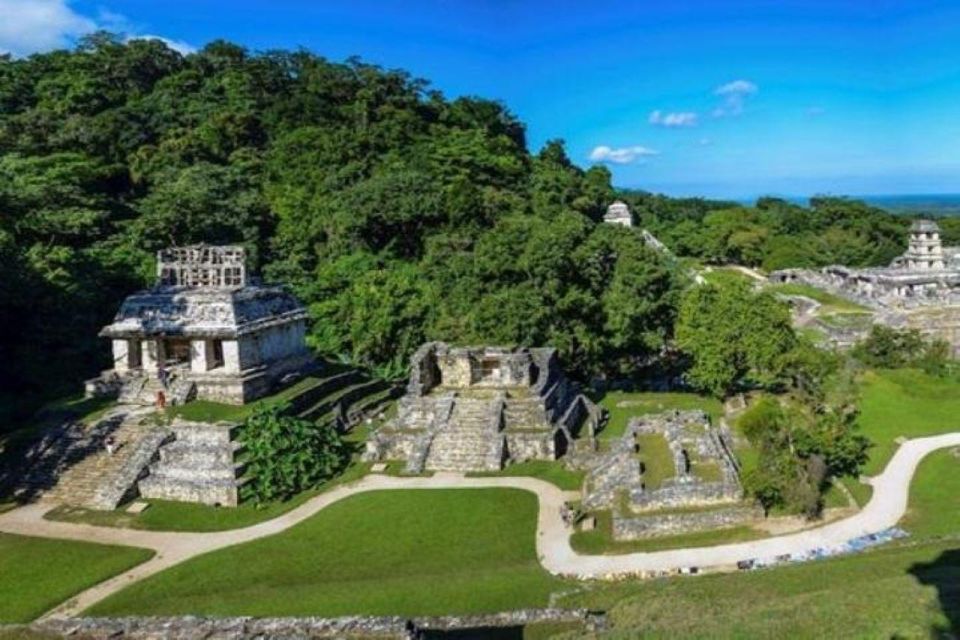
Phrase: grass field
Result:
[656,458]
[935,499]
[37,574]
[391,552]
[206,411]
[548,470]
[624,405]
[830,303]
[905,402]
[896,592]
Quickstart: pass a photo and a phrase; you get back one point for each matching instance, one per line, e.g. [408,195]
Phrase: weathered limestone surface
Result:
[218,335]
[476,409]
[198,465]
[664,524]
[615,479]
[367,627]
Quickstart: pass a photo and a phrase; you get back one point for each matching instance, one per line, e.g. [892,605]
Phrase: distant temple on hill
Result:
[919,290]
[928,274]
[205,331]
[618,213]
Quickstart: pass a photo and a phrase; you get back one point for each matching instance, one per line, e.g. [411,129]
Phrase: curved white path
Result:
[886,507]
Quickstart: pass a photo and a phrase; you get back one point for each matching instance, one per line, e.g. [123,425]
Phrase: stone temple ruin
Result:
[205,330]
[920,289]
[477,409]
[618,213]
[701,491]
[216,334]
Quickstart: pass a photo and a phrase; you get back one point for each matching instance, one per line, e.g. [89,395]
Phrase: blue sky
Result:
[730,99]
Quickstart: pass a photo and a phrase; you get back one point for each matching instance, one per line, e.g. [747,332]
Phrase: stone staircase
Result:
[471,438]
[80,472]
[142,389]
[199,465]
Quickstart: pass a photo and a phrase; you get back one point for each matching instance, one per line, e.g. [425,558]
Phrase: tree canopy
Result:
[397,215]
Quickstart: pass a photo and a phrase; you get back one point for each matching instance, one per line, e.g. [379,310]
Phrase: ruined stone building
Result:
[920,289]
[928,274]
[477,409]
[618,213]
[216,334]
[700,491]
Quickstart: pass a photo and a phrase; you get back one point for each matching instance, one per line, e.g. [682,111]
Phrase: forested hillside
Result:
[397,215]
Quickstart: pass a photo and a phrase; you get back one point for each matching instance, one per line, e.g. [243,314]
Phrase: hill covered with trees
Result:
[397,215]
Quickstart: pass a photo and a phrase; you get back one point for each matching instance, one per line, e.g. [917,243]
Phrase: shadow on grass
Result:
[943,573]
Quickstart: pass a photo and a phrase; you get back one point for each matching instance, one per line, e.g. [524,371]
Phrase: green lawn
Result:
[830,303]
[905,402]
[719,275]
[36,574]
[935,498]
[206,411]
[623,405]
[872,595]
[550,471]
[390,552]
[656,458]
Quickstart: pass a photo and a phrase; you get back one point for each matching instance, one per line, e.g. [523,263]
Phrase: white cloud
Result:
[704,142]
[31,26]
[28,26]
[620,155]
[673,119]
[177,45]
[734,95]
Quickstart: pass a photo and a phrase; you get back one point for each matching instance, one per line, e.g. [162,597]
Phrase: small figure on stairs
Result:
[162,375]
[110,444]
[161,401]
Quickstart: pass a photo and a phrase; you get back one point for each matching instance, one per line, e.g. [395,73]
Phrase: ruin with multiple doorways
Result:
[480,408]
[673,472]
[205,330]
[920,289]
[927,274]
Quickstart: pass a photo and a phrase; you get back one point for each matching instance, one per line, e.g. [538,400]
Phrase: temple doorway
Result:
[176,351]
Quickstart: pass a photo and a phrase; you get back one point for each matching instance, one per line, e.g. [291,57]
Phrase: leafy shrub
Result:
[890,348]
[286,455]
[802,445]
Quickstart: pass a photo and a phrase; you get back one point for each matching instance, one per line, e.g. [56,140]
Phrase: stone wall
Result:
[352,627]
[530,446]
[665,524]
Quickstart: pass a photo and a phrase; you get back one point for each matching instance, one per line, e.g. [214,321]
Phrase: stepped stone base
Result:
[76,468]
[477,409]
[199,466]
